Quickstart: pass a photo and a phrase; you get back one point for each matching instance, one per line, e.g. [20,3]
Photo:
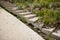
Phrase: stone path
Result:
[13,29]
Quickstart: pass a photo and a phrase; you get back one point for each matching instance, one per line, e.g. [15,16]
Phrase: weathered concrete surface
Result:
[13,29]
[56,35]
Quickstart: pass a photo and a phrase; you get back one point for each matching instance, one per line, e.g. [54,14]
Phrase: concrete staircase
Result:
[13,29]
[28,16]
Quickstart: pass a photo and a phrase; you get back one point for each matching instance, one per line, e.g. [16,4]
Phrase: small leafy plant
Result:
[49,16]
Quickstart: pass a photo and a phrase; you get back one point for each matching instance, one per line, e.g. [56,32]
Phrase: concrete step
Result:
[29,16]
[25,13]
[47,31]
[38,25]
[33,19]
[56,34]
[14,8]
[19,11]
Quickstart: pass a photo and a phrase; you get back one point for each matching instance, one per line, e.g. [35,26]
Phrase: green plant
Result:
[50,17]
